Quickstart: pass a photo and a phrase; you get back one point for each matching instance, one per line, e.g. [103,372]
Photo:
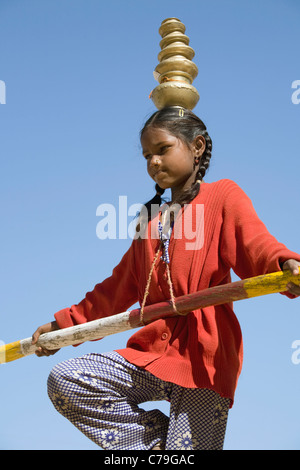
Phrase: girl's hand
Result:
[52,326]
[293,266]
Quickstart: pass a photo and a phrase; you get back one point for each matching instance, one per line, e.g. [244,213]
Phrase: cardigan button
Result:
[164,336]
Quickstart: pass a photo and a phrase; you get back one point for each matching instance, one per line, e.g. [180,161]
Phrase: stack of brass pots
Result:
[175,71]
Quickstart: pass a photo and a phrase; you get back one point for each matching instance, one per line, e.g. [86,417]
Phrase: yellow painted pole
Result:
[239,290]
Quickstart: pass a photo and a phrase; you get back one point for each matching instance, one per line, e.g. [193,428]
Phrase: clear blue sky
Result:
[78,75]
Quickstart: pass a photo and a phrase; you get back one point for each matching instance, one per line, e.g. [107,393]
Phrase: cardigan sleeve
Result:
[114,295]
[246,245]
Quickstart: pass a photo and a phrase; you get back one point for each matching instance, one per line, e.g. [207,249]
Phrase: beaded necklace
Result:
[164,247]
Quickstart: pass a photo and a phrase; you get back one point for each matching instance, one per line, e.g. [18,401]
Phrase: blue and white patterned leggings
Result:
[100,394]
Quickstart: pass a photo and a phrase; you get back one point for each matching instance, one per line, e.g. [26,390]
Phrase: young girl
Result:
[193,361]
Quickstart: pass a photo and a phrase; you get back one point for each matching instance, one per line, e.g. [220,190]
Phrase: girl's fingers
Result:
[45,352]
[35,337]
[293,288]
[37,334]
[293,266]
[44,329]
[40,351]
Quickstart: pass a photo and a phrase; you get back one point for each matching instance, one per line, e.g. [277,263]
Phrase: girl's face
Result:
[171,163]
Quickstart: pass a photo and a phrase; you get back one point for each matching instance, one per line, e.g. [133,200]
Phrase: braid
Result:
[191,193]
[205,159]
[157,199]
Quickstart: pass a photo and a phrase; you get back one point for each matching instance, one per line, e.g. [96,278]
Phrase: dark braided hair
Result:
[185,125]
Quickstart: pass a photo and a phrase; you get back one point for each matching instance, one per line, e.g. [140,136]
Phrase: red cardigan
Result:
[203,349]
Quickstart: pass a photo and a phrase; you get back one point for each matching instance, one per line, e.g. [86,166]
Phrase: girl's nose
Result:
[155,161]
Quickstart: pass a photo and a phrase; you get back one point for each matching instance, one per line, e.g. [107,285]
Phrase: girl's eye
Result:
[162,150]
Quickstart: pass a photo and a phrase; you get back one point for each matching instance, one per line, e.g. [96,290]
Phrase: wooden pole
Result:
[226,293]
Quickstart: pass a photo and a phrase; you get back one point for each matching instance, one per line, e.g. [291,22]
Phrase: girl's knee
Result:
[57,386]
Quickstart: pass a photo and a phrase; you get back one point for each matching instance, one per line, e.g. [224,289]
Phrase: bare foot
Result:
[158,446]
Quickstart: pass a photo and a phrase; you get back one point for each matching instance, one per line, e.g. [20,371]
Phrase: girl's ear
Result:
[198,146]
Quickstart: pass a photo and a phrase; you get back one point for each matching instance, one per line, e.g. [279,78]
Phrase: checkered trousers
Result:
[100,394]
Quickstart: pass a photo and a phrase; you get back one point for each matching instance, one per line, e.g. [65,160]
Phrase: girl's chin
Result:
[162,184]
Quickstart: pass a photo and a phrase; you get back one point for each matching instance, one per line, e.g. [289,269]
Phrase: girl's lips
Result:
[157,173]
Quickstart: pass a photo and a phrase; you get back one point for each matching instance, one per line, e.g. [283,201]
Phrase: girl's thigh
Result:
[100,394]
